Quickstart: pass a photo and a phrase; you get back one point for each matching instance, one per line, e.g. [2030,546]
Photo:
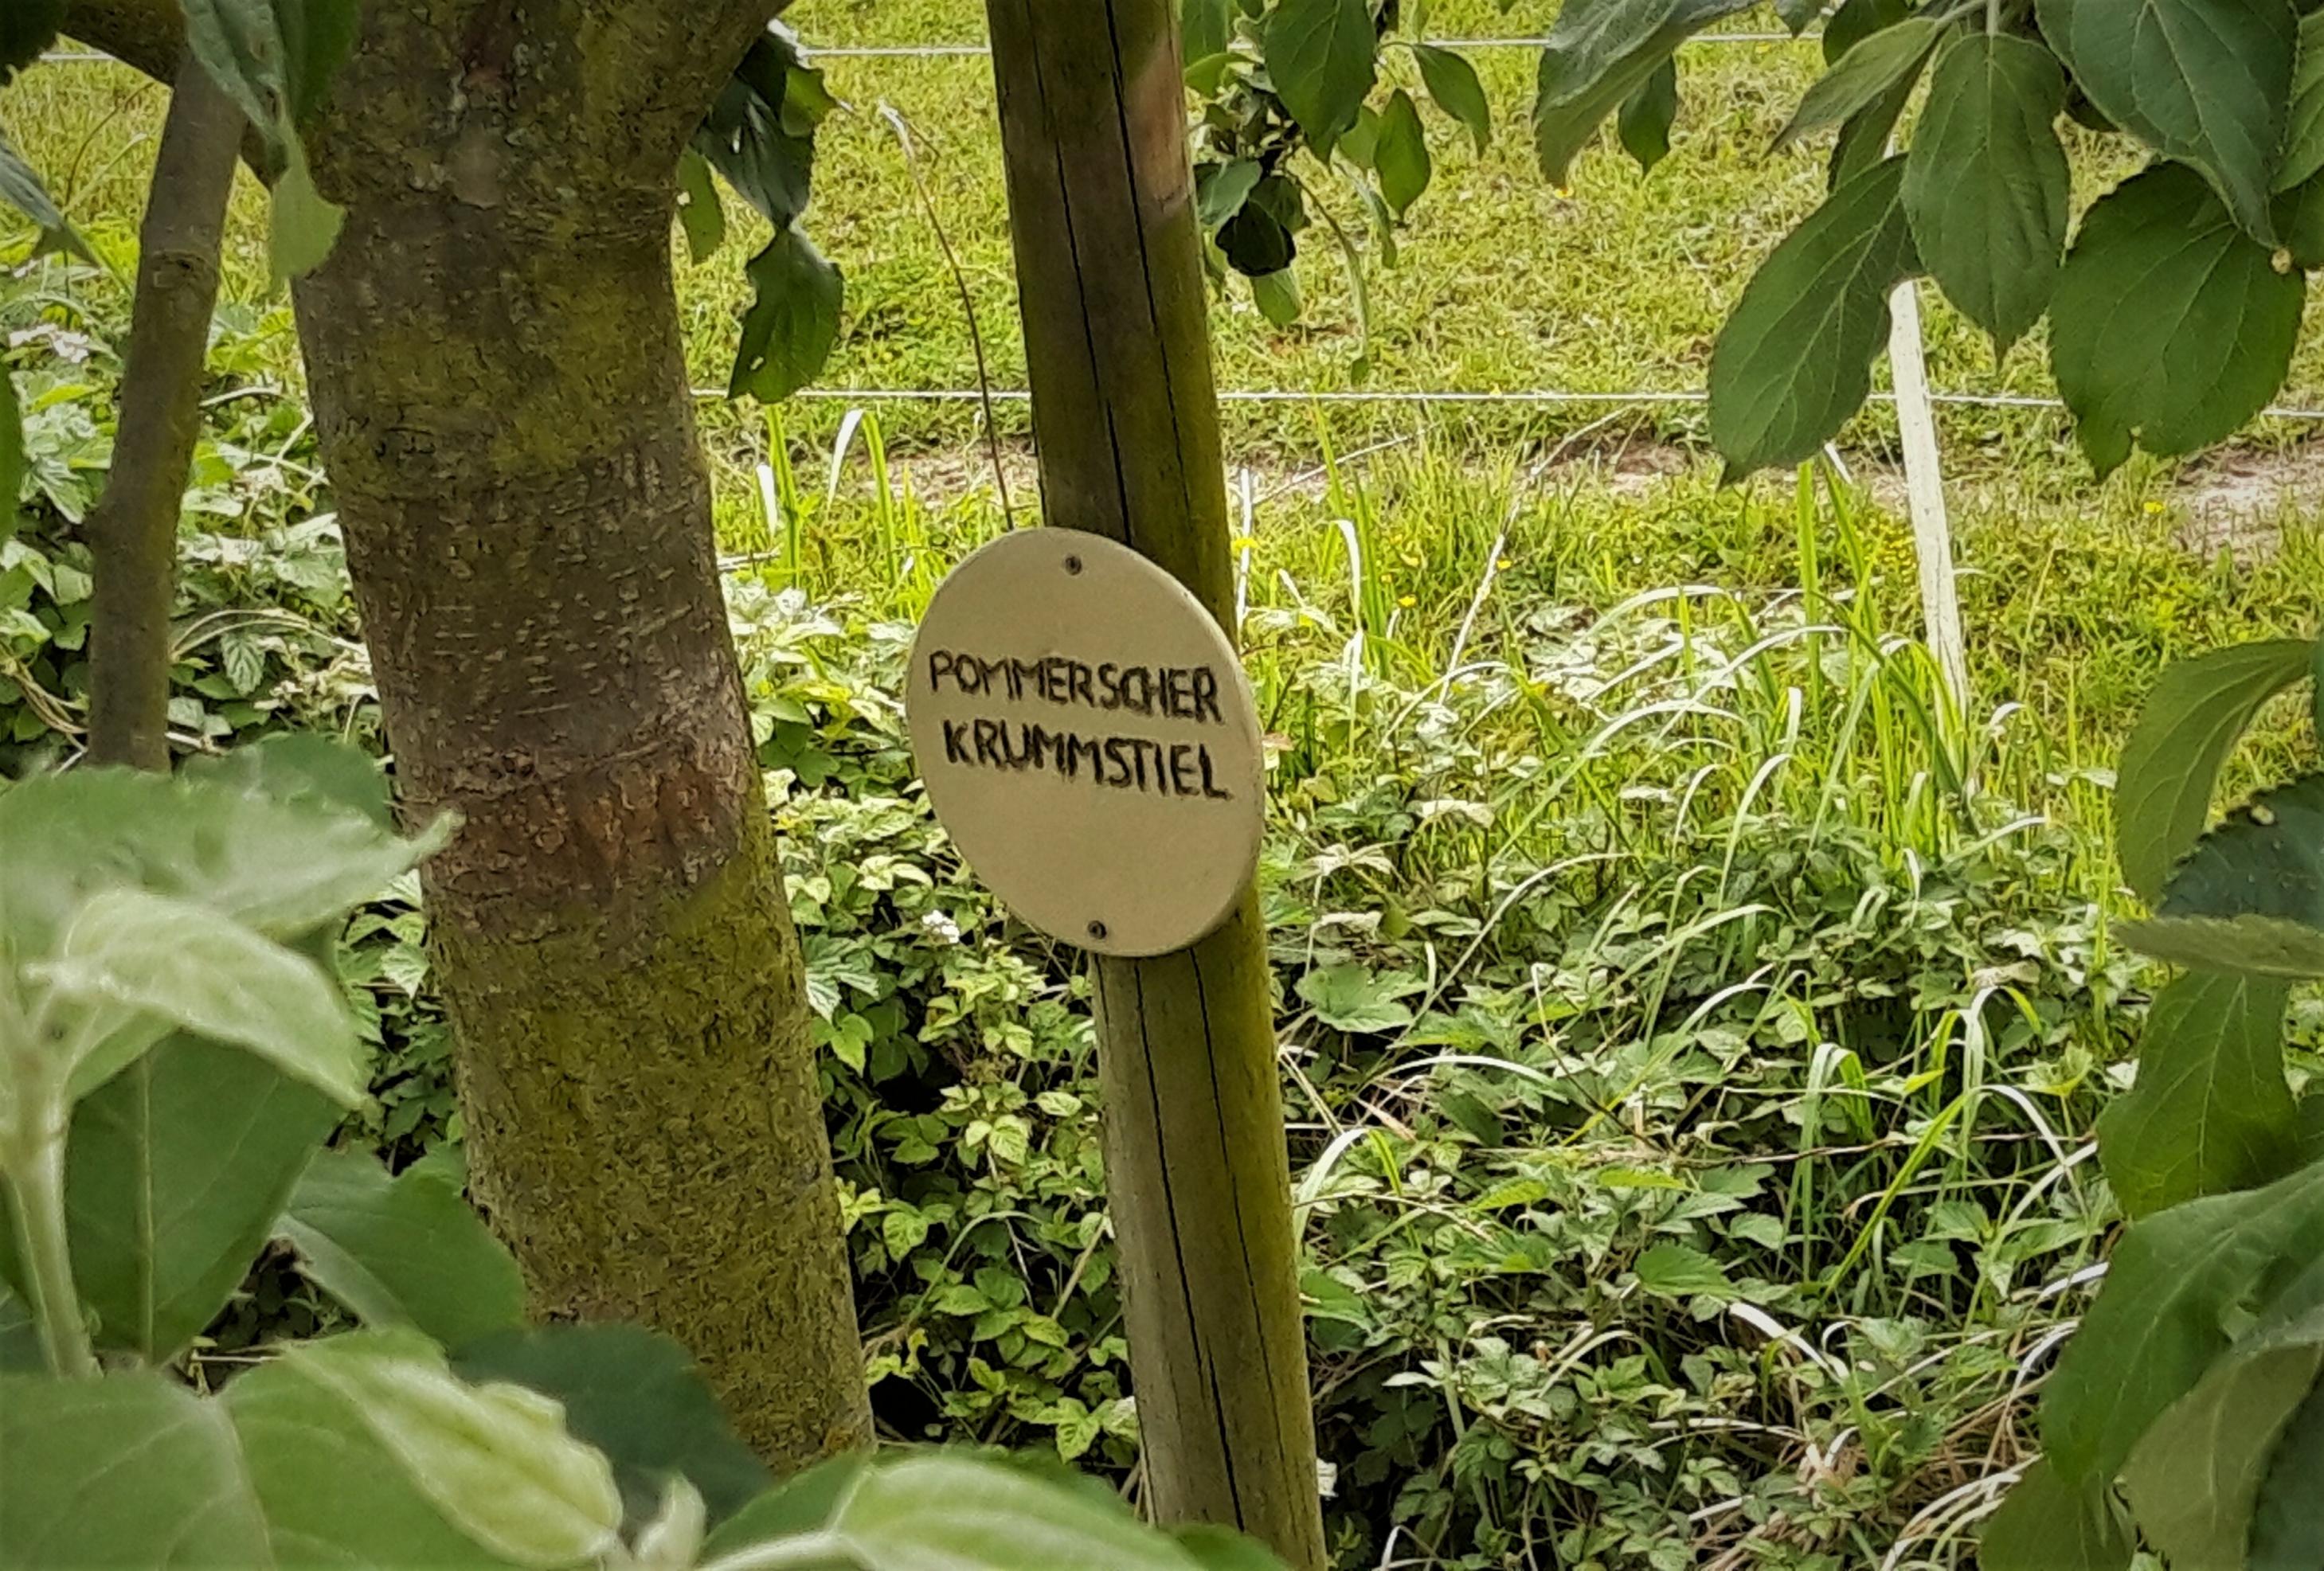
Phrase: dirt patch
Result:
[2238,499]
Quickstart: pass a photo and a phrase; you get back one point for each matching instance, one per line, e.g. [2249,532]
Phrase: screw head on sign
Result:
[1097,931]
[1074,565]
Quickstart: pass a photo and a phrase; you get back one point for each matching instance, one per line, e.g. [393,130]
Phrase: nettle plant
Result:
[2193,1389]
[173,1057]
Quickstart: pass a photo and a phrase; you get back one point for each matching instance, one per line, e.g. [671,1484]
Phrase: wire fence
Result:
[1545,397]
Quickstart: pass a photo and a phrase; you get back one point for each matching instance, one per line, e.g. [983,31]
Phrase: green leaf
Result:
[1796,15]
[2211,1112]
[1322,56]
[1277,296]
[302,225]
[139,964]
[318,37]
[922,1511]
[699,213]
[793,320]
[2261,870]
[1986,181]
[1350,998]
[1875,66]
[1794,359]
[2299,220]
[2194,1477]
[1451,81]
[2303,137]
[1645,121]
[22,189]
[1222,189]
[636,1396]
[1854,20]
[2169,322]
[1599,53]
[2048,1525]
[2243,946]
[2206,82]
[26,28]
[1255,242]
[300,768]
[1205,28]
[496,1460]
[1676,1270]
[359,1451]
[767,155]
[131,1470]
[240,43]
[401,1252]
[2170,767]
[176,1170]
[2175,1285]
[1401,156]
[2287,1517]
[280,868]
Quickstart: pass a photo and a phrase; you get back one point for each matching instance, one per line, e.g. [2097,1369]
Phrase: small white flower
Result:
[939,925]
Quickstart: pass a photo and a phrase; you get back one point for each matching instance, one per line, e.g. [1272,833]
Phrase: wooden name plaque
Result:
[1089,741]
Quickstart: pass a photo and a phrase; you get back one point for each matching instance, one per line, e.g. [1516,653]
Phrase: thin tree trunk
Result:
[495,357]
[1109,275]
[134,528]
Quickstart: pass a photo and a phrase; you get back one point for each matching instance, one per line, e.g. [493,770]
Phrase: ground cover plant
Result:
[1593,894]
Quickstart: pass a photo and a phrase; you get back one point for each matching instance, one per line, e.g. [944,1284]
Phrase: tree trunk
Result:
[1092,120]
[495,357]
[134,528]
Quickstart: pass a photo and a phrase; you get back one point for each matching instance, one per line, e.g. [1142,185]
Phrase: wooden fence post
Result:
[1125,412]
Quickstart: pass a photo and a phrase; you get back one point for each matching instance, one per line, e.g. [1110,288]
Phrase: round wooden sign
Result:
[1088,741]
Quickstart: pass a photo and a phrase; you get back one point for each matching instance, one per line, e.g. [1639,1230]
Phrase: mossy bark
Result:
[496,358]
[1101,204]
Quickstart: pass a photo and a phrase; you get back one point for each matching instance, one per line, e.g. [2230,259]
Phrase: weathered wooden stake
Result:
[1109,276]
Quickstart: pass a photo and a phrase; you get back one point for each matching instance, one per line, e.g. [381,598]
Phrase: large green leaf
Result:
[1321,56]
[2287,1517]
[637,1397]
[176,1170]
[1794,359]
[2170,323]
[1986,181]
[1205,28]
[1452,82]
[934,1511]
[318,37]
[2303,137]
[26,28]
[494,1459]
[130,1471]
[401,1252]
[793,320]
[301,223]
[699,213]
[1599,53]
[360,1451]
[2174,1286]
[2196,1474]
[2212,1111]
[280,868]
[2170,767]
[2049,1525]
[2207,82]
[1871,69]
[2249,899]
[138,965]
